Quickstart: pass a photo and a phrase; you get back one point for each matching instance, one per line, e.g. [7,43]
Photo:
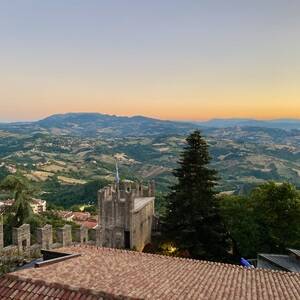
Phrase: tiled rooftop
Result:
[25,289]
[90,224]
[103,272]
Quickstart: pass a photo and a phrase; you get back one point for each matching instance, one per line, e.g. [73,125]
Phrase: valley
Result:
[63,155]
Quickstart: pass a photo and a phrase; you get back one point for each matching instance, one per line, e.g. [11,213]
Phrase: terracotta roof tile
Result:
[103,273]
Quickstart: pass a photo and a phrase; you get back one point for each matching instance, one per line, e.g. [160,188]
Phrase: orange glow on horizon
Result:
[189,61]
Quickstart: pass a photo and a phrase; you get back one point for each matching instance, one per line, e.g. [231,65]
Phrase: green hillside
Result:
[64,165]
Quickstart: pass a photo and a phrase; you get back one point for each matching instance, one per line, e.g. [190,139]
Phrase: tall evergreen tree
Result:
[192,220]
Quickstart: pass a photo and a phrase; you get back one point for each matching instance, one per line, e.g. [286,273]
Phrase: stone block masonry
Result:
[125,215]
[45,237]
[21,238]
[22,250]
[81,235]
[64,235]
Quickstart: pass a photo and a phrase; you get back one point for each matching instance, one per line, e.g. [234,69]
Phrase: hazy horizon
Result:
[187,120]
[174,60]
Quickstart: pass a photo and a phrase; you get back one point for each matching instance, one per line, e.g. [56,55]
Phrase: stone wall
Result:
[81,235]
[118,237]
[45,237]
[141,229]
[21,237]
[123,223]
[92,235]
[22,251]
[64,235]
[99,236]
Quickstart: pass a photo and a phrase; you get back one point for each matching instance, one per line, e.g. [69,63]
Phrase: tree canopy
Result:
[22,193]
[192,219]
[268,220]
[20,189]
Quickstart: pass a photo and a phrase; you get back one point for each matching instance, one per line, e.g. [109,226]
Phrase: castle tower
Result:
[125,214]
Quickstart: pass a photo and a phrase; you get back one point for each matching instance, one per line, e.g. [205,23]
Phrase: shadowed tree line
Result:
[265,221]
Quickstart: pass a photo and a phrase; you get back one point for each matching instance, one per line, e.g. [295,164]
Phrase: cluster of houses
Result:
[38,205]
[81,218]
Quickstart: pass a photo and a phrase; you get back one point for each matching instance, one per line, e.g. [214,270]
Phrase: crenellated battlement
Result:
[44,237]
[119,191]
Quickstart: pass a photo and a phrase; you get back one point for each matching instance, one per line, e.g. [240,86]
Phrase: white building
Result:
[38,206]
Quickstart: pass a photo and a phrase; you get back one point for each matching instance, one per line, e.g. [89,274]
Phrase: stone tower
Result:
[125,215]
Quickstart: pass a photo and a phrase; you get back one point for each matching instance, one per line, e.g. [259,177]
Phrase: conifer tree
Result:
[192,220]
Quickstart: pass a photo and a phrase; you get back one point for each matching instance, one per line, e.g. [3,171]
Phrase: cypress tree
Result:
[192,219]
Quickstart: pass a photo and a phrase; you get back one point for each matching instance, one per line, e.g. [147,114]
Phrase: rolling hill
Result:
[95,124]
[62,152]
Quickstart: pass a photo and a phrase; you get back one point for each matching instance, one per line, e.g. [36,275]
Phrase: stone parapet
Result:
[64,235]
[45,237]
[81,235]
[21,238]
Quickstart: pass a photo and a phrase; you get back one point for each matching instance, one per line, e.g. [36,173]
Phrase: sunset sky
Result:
[185,60]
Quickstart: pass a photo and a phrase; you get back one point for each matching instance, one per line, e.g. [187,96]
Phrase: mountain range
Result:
[277,123]
[96,124]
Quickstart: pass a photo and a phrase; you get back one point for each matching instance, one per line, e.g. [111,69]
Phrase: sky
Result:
[183,60]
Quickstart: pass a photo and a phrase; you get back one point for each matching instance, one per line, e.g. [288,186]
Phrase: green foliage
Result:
[68,195]
[160,203]
[192,218]
[268,220]
[35,221]
[20,212]
[238,153]
[3,173]
[140,152]
[90,208]
[277,211]
[22,192]
[237,214]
